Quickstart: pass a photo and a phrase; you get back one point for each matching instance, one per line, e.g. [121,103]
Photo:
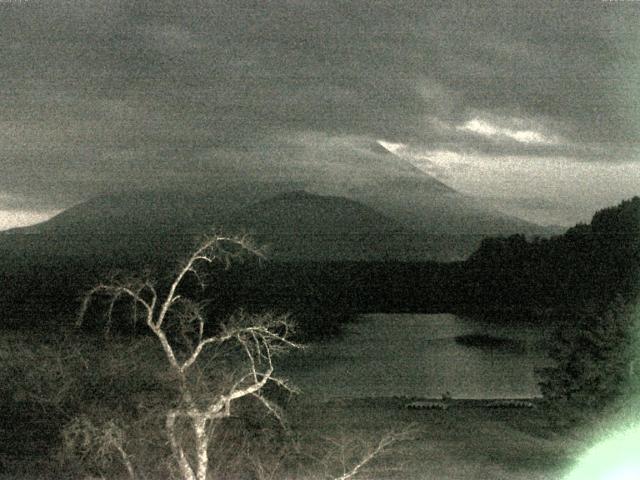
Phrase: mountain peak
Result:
[296,195]
[299,211]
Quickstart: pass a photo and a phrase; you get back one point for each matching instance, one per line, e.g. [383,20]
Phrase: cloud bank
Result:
[101,95]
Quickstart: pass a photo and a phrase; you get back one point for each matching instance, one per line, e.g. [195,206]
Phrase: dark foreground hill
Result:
[302,226]
[147,227]
[390,213]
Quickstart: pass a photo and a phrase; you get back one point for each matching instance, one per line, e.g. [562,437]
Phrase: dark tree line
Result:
[590,264]
[595,363]
[506,278]
[584,285]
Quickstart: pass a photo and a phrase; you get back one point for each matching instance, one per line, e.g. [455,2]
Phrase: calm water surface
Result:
[417,355]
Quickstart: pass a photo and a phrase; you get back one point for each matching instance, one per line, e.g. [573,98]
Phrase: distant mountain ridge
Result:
[385,206]
[297,225]
[302,212]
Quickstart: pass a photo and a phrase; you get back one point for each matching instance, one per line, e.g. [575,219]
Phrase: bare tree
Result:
[346,457]
[257,338]
[179,324]
[341,457]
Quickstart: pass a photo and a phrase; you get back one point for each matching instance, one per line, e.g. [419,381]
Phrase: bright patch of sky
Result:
[392,147]
[545,190]
[22,218]
[486,129]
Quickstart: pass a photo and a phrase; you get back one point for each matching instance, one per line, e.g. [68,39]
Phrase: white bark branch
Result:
[258,338]
[186,471]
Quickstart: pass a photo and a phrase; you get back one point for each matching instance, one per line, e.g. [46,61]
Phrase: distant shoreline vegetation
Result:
[508,279]
[482,340]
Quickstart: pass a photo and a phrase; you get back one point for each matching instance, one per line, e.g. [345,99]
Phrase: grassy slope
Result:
[459,443]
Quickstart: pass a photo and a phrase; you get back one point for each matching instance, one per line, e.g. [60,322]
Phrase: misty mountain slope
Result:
[300,225]
[365,172]
[129,228]
[130,212]
[300,212]
[364,192]
[143,227]
[450,213]
[422,202]
[139,212]
[374,176]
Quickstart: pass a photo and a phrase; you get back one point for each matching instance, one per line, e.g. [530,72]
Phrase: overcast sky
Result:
[534,106]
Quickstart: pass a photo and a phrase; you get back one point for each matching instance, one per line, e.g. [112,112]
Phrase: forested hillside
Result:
[590,264]
[509,278]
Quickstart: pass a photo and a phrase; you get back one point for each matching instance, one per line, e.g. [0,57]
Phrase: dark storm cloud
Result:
[106,94]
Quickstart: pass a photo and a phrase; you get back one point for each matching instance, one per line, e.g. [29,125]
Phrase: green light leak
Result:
[616,458]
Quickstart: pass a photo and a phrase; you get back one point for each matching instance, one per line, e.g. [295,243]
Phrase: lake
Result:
[417,355]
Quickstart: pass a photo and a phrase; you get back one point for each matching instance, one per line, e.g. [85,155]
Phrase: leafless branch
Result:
[258,338]
[371,452]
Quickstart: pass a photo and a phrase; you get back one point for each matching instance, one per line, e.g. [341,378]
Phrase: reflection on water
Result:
[417,355]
